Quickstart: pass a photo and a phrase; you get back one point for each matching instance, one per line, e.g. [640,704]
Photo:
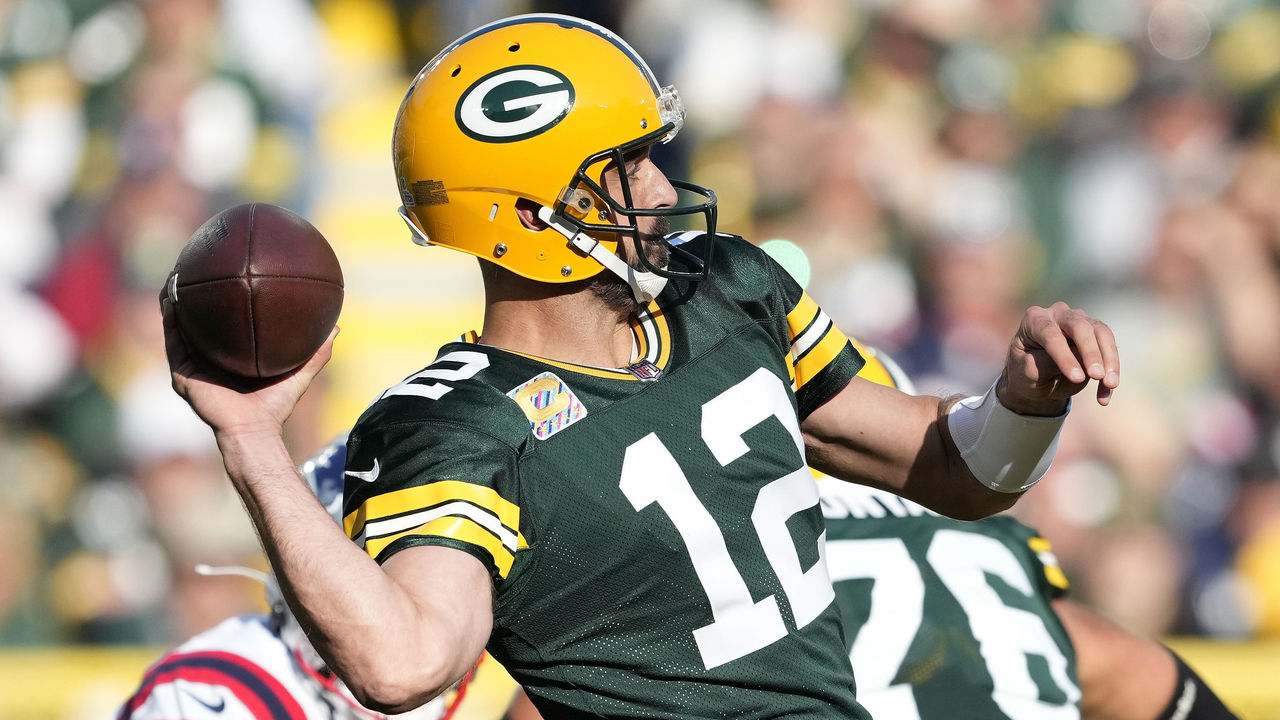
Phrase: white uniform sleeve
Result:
[236,670]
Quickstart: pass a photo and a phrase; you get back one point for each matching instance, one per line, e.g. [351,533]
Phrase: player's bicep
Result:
[452,593]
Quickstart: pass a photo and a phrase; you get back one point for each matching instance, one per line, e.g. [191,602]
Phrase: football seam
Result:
[198,283]
[248,271]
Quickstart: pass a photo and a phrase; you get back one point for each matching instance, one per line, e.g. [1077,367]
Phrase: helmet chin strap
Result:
[645,286]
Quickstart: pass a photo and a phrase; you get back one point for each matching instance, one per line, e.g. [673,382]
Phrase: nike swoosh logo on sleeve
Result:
[366,475]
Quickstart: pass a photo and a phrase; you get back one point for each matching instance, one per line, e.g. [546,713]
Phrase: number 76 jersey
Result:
[653,532]
[948,619]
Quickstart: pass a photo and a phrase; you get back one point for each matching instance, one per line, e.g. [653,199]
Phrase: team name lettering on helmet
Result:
[514,103]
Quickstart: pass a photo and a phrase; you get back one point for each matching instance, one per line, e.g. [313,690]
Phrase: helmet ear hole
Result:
[527,211]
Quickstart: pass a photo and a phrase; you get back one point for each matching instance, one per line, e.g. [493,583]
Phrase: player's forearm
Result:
[1127,677]
[360,620]
[903,449]
[939,478]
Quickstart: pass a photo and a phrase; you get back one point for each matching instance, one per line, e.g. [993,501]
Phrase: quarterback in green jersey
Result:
[610,487]
[970,621]
[653,531]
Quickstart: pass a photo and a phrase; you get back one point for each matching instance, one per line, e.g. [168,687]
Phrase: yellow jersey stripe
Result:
[410,499]
[873,370]
[664,335]
[811,333]
[583,369]
[641,338]
[458,508]
[455,528]
[1052,571]
[802,315]
[1056,577]
[821,355]
[653,335]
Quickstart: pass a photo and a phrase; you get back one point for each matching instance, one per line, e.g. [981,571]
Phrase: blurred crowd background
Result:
[927,168]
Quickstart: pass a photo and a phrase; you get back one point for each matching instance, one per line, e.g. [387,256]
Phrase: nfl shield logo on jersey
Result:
[548,403]
[645,370]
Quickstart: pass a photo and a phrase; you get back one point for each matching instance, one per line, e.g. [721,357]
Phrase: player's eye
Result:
[634,160]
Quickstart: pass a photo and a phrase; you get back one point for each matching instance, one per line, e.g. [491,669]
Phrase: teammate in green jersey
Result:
[610,486]
[970,621]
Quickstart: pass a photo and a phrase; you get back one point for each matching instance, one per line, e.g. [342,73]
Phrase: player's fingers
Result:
[1041,328]
[175,347]
[1080,330]
[1110,354]
[1041,369]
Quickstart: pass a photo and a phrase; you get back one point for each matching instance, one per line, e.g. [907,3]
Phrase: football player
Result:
[955,620]
[259,667]
[609,488]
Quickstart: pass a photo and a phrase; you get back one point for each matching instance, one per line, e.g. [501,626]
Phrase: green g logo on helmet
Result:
[514,103]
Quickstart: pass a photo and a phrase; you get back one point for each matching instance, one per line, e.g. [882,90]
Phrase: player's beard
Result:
[613,290]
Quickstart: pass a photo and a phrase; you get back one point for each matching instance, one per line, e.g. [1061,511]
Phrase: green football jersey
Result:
[653,532]
[947,619]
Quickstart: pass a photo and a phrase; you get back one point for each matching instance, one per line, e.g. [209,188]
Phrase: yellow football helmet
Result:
[880,368]
[535,107]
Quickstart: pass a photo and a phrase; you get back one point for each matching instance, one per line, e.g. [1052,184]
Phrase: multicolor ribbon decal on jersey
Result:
[548,403]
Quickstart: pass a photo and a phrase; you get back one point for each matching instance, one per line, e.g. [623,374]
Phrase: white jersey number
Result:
[650,474]
[1006,635]
[469,363]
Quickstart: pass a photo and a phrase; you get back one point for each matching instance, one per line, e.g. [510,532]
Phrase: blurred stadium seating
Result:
[925,168]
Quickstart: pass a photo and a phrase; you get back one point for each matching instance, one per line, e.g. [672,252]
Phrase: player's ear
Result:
[527,211]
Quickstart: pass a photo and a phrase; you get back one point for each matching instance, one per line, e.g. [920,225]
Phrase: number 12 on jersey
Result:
[650,474]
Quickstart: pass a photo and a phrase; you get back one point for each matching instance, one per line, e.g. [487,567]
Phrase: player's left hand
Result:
[1055,353]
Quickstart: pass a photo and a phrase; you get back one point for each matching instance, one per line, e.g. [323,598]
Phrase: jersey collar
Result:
[650,348]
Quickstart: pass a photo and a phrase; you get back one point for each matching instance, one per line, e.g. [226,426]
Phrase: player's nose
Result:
[656,190]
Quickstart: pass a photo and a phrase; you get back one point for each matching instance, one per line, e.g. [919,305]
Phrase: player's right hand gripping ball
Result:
[256,290]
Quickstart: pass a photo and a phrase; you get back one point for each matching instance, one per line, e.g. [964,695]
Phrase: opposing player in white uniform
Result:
[262,667]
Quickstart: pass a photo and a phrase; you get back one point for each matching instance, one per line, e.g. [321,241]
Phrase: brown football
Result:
[256,290]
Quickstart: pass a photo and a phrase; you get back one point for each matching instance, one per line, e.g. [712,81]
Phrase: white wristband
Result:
[1005,451]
